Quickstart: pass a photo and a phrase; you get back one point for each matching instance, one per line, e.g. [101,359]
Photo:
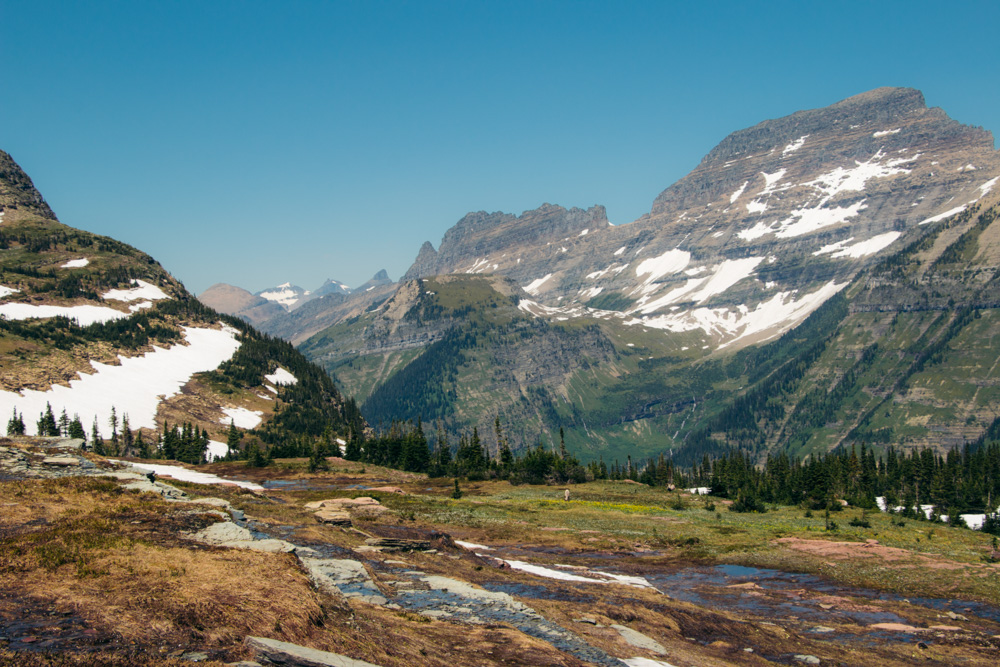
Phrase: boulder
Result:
[389,489]
[284,653]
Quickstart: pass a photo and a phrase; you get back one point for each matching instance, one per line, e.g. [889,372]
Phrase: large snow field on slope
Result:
[281,376]
[76,263]
[853,179]
[143,290]
[134,388]
[84,315]
[184,475]
[809,220]
[727,274]
[776,315]
[672,261]
[242,417]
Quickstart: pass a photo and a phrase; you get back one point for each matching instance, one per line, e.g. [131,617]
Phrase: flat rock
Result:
[398,544]
[61,461]
[639,640]
[228,534]
[806,659]
[214,502]
[333,517]
[340,503]
[284,653]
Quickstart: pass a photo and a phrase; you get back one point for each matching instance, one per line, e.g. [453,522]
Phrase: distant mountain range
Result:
[638,336]
[274,302]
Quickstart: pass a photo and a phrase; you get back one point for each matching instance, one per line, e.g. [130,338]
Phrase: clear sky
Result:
[255,143]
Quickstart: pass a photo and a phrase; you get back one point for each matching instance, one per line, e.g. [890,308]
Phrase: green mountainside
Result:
[907,354]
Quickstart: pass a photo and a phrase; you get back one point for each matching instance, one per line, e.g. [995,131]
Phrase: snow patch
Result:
[242,417]
[7,291]
[185,475]
[619,251]
[672,261]
[861,248]
[736,195]
[84,315]
[135,387]
[143,290]
[886,133]
[281,377]
[535,285]
[795,145]
[584,232]
[985,188]
[216,450]
[76,263]
[808,220]
[942,216]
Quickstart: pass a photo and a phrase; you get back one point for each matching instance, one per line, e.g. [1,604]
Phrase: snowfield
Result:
[283,295]
[242,417]
[535,285]
[281,377]
[135,387]
[7,291]
[84,315]
[76,263]
[860,249]
[143,290]
[185,475]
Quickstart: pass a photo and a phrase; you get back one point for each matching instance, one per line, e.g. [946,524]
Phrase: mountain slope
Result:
[97,328]
[778,220]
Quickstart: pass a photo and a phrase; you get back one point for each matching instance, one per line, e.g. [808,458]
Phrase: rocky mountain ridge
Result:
[775,222]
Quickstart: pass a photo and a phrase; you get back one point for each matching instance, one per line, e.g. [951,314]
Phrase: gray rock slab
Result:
[61,461]
[806,659]
[341,576]
[284,653]
[228,534]
[639,640]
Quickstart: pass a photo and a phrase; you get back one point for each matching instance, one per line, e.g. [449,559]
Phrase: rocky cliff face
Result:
[493,242]
[775,220]
[18,196]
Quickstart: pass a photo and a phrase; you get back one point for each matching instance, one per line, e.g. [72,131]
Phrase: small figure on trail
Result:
[151,476]
[566,495]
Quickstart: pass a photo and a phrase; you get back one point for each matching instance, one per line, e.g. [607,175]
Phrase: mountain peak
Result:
[18,195]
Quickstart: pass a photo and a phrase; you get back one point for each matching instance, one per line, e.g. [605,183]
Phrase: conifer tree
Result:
[15,426]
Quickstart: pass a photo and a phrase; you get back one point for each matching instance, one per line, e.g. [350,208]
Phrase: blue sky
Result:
[261,142]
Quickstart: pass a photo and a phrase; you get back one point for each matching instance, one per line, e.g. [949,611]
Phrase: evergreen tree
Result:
[76,429]
[15,426]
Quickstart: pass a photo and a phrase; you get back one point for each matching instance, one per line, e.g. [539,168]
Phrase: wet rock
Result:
[341,576]
[398,544]
[821,629]
[639,640]
[284,653]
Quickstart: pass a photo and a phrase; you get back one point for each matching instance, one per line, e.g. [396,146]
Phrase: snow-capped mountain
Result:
[775,220]
[286,295]
[875,216]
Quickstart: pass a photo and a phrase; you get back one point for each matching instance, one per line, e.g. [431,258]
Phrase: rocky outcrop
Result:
[19,199]
[482,235]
